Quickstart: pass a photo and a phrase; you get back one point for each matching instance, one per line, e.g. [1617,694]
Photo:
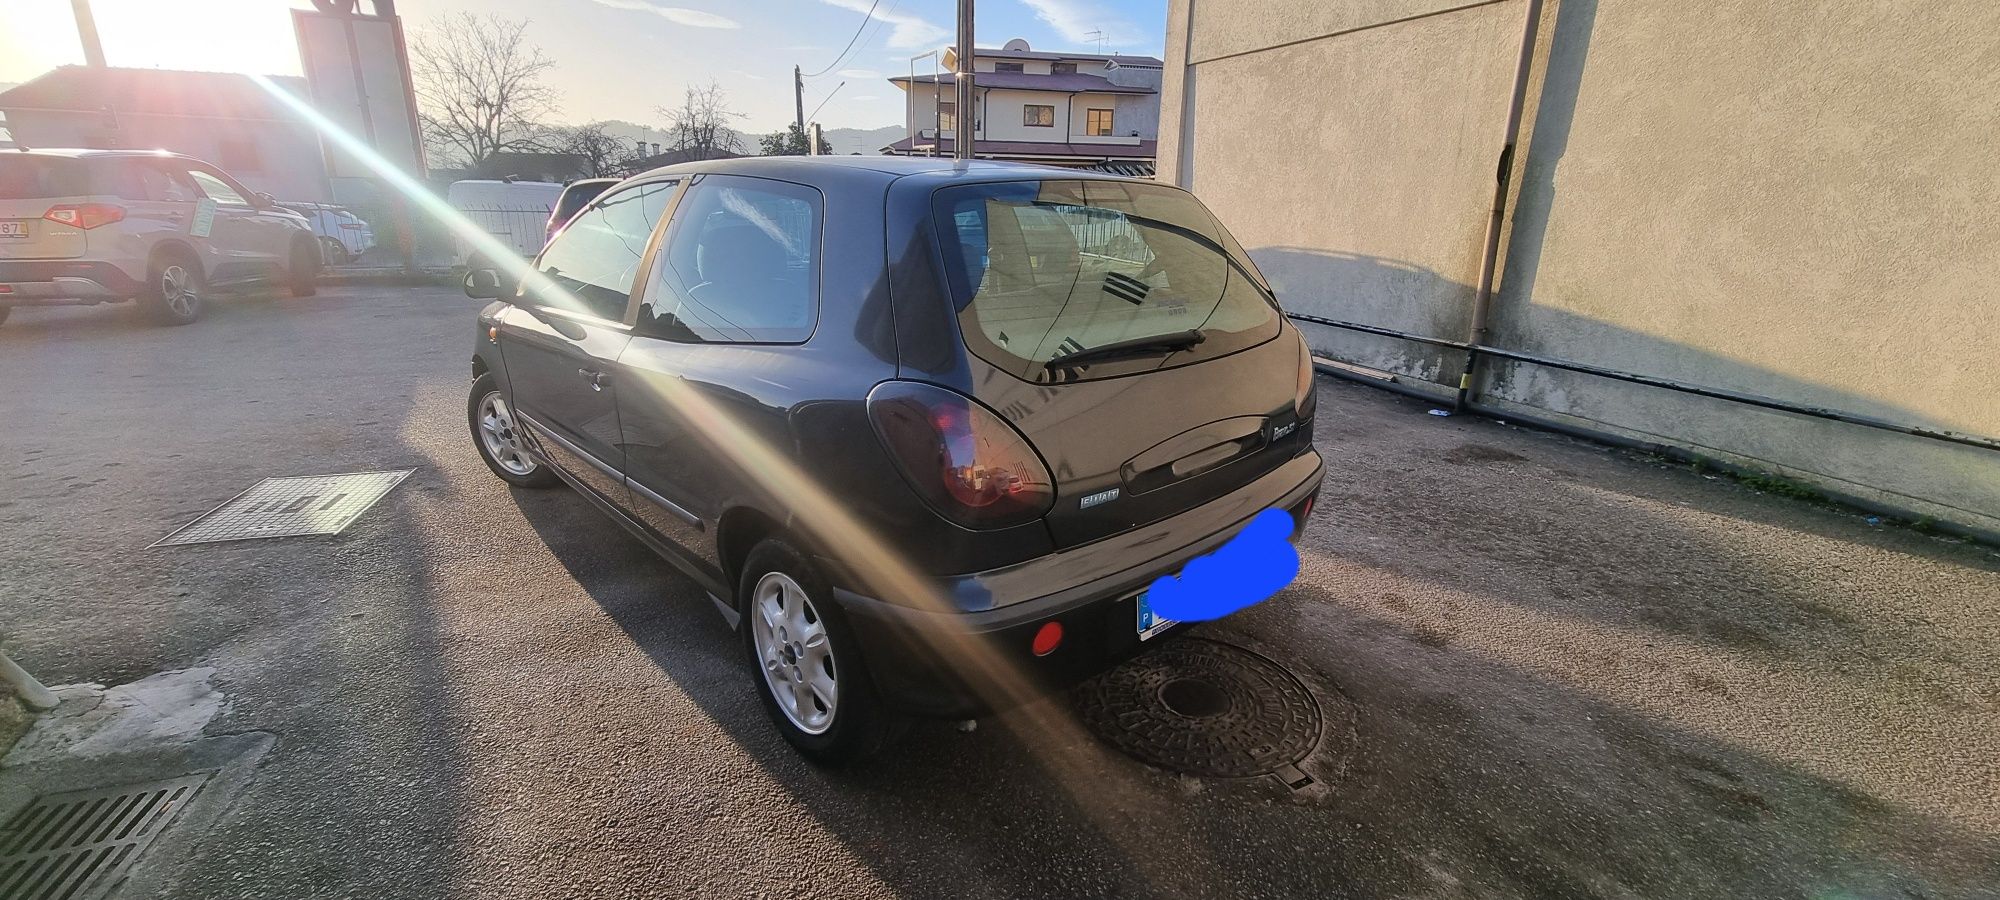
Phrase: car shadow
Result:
[1452,784]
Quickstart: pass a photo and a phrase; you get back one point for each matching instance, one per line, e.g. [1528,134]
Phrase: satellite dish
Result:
[1016,44]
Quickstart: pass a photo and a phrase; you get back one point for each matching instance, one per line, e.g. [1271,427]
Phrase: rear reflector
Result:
[1047,638]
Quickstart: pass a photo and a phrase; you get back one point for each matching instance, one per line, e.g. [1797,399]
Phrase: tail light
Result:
[85,215]
[1305,399]
[962,458]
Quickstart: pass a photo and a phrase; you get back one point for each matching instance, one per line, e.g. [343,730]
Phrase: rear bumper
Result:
[63,283]
[956,664]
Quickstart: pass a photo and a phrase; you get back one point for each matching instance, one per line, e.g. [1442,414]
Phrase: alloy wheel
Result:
[177,289]
[501,437]
[795,652]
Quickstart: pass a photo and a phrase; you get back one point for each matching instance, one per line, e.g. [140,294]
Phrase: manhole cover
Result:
[287,507]
[76,846]
[1204,708]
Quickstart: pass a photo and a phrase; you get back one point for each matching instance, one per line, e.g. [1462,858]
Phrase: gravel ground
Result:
[1548,669]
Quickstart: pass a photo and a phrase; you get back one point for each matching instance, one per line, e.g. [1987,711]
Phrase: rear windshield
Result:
[575,197]
[1043,269]
[25,177]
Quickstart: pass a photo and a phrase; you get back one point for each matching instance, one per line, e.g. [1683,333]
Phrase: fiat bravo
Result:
[924,430]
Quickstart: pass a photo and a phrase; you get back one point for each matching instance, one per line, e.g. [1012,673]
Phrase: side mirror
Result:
[483,284]
[266,201]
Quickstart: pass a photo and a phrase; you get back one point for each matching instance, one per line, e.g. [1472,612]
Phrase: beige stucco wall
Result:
[1790,198]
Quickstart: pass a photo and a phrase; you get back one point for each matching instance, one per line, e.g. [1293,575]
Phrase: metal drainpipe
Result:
[1482,300]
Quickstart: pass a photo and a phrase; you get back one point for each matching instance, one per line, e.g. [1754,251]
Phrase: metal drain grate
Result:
[1205,708]
[76,846]
[287,507]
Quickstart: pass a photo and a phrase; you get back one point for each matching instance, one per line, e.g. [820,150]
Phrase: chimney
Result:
[656,148]
[642,148]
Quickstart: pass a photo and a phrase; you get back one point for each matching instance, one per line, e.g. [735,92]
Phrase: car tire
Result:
[173,291]
[809,643]
[333,252]
[302,273]
[501,442]
[4,310]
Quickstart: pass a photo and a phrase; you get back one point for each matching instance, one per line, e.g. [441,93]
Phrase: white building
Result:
[1083,110]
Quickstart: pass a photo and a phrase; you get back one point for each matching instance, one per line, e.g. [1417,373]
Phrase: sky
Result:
[615,59]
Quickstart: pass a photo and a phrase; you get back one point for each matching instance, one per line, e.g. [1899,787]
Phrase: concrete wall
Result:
[1791,198]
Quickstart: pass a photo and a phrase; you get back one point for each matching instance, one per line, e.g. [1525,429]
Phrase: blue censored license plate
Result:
[1151,625]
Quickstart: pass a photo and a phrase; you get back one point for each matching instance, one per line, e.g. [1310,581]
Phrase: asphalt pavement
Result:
[1546,668]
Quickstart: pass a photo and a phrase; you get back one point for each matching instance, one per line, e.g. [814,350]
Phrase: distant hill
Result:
[867,142]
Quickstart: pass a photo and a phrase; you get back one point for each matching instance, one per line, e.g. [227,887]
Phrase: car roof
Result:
[90,153]
[821,169]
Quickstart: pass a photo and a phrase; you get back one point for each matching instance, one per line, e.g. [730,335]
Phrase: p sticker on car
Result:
[1250,568]
[204,217]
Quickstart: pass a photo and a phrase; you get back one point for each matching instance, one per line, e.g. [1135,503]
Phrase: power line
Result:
[822,104]
[865,20]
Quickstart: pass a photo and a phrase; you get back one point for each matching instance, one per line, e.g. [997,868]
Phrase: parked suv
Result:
[925,430]
[79,227]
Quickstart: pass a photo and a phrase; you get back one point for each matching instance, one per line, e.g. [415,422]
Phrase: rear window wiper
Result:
[1140,346]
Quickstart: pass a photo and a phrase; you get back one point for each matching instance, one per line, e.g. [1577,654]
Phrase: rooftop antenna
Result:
[1098,36]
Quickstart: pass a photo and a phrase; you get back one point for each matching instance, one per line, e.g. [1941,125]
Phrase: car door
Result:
[562,358]
[730,294]
[241,242]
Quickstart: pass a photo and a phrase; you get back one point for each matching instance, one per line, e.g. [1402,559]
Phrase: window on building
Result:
[741,266]
[1007,67]
[1038,116]
[597,254]
[947,116]
[1062,68]
[1097,122]
[239,155]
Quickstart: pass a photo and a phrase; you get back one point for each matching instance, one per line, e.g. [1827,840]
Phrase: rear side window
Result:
[1042,269]
[40,177]
[595,259]
[741,264]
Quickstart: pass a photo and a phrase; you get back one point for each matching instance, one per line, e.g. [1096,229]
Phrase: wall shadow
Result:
[1336,277]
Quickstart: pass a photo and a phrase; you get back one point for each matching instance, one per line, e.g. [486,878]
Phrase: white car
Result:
[79,227]
[342,234]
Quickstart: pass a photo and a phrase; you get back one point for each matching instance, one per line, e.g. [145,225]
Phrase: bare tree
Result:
[700,124]
[601,150]
[479,87]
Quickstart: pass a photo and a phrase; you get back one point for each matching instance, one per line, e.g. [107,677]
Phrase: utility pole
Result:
[962,93]
[86,31]
[799,97]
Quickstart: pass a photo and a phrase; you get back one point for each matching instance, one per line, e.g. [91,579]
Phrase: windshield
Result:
[1040,270]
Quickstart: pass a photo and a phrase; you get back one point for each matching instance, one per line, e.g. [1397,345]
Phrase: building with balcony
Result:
[1082,110]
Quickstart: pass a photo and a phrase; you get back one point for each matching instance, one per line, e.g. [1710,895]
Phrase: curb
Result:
[389,277]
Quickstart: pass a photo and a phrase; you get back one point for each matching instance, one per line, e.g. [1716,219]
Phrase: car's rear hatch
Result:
[31,185]
[1200,400]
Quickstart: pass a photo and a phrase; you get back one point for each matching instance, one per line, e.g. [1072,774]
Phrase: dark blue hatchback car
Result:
[924,430]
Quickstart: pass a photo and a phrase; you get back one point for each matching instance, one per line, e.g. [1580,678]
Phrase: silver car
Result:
[80,227]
